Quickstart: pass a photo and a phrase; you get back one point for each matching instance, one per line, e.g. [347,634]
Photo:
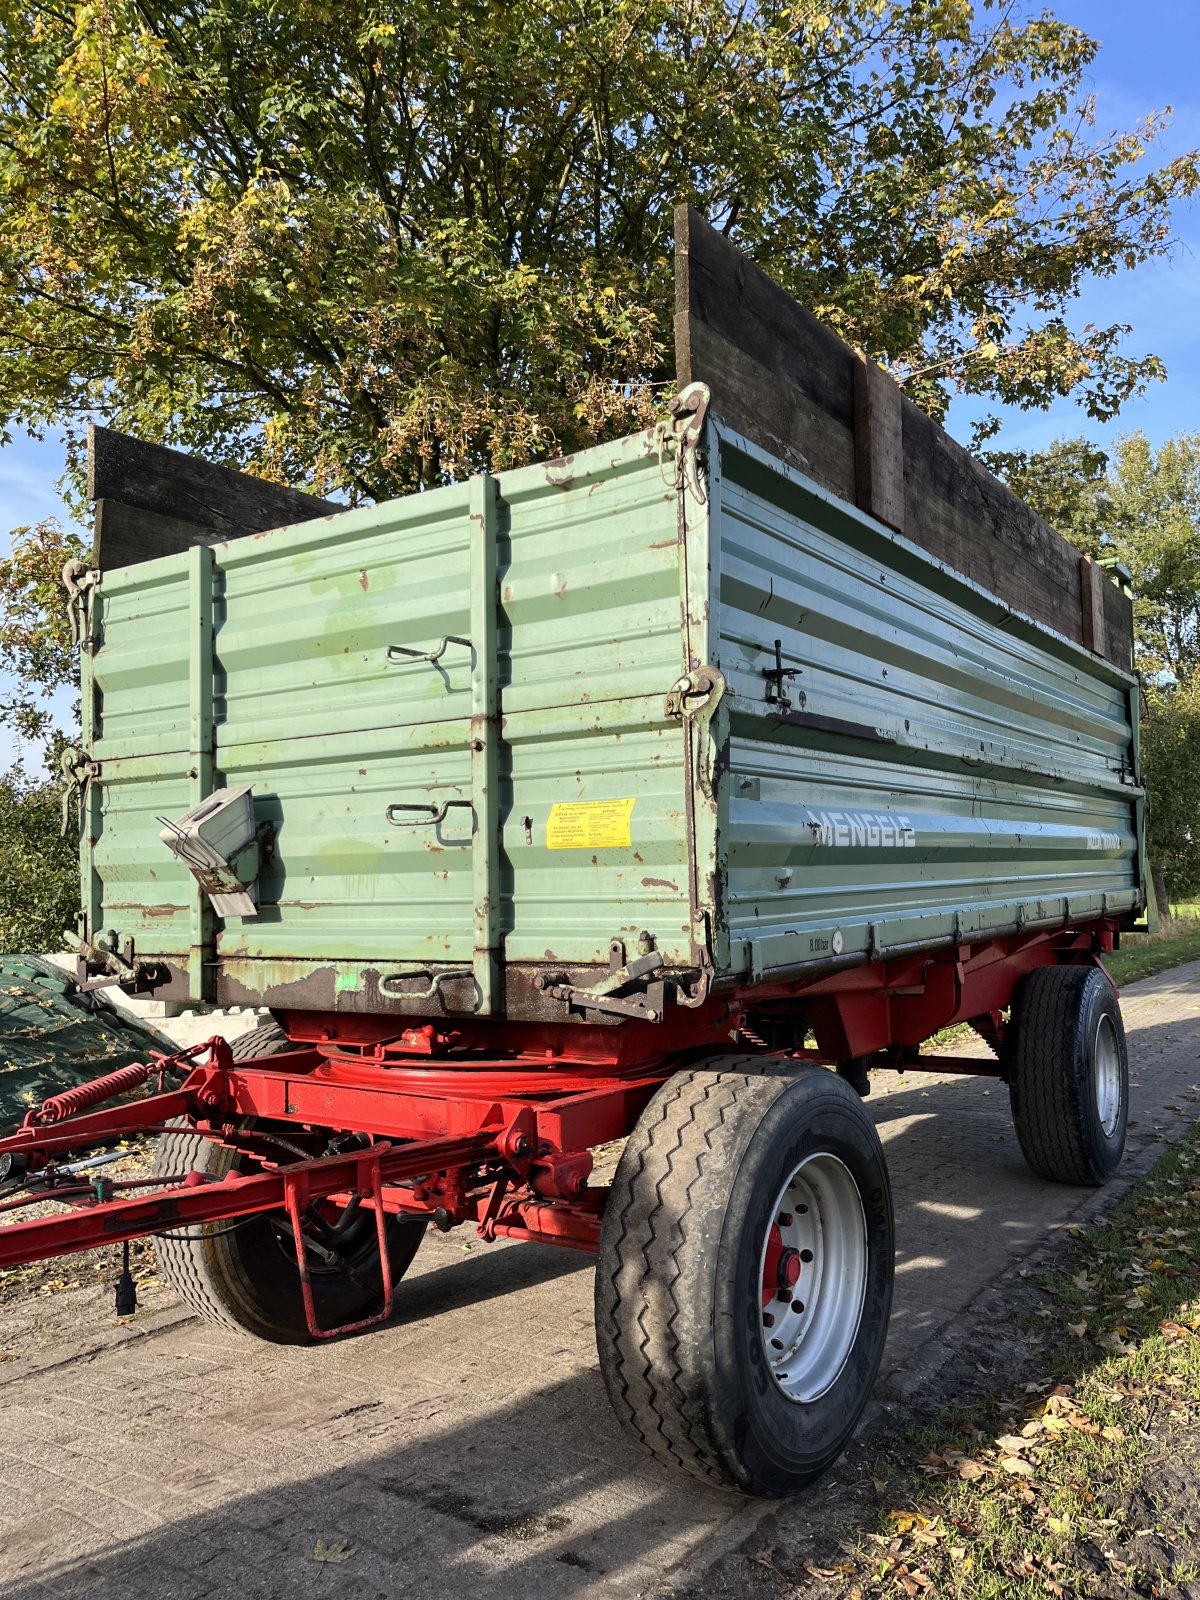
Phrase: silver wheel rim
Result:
[1106,1075]
[813,1278]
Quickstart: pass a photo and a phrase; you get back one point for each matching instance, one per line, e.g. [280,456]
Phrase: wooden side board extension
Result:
[151,501]
[791,385]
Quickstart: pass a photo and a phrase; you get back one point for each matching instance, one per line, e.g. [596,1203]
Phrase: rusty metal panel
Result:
[902,761]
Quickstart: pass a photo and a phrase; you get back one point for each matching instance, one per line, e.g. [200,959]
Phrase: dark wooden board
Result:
[157,501]
[791,385]
[787,422]
[878,444]
[125,535]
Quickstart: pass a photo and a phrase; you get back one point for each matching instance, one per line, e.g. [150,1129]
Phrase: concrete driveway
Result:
[468,1449]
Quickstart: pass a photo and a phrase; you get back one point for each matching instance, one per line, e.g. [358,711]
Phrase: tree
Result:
[39,862]
[1171,761]
[1143,508]
[1155,529]
[373,244]
[39,867]
[37,654]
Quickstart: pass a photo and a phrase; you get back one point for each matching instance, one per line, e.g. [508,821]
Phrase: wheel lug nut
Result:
[784,1294]
[768,1320]
[785,1219]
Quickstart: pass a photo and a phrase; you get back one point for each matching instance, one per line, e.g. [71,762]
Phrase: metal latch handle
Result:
[433,814]
[432,991]
[400,652]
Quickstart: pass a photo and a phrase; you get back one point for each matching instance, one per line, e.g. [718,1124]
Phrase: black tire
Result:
[1067,1061]
[680,1300]
[247,1278]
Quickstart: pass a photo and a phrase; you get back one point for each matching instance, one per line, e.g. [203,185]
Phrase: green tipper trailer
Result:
[622,794]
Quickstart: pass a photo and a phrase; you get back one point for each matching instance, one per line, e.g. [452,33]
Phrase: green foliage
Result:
[1171,762]
[371,244]
[39,869]
[36,656]
[1155,529]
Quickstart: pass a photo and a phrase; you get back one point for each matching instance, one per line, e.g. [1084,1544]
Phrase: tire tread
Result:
[181,1260]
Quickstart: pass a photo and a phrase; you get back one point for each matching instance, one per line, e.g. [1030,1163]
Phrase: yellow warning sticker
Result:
[589,825]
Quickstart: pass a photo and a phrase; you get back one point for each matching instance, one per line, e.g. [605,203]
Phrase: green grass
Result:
[1143,954]
[1021,1496]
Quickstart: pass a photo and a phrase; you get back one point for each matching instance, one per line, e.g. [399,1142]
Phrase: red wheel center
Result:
[781,1267]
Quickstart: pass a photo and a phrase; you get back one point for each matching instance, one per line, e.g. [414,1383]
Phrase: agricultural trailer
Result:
[658,793]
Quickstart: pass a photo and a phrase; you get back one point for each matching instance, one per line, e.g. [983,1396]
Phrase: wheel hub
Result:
[814,1277]
[1106,1075]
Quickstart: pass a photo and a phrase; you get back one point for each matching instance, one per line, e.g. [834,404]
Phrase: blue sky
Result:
[1146,62]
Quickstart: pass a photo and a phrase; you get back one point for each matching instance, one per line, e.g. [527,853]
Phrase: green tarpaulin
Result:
[52,1037]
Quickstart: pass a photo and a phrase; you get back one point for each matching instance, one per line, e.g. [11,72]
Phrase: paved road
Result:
[468,1450]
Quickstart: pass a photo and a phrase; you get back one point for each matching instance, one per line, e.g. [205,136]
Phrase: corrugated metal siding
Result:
[945,769]
[309,709]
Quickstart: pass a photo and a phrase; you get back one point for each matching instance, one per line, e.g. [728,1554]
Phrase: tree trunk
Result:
[1159,884]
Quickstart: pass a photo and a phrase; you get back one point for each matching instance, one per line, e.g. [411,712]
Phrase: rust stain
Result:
[363,580]
[160,911]
[660,883]
[561,473]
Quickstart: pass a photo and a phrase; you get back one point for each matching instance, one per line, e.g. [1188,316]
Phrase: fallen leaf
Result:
[1077,1329]
[1016,1467]
[339,1550]
[971,1469]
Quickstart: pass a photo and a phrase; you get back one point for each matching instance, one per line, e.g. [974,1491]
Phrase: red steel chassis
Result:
[491,1123]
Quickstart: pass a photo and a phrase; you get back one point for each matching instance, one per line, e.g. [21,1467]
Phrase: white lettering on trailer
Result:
[1103,841]
[871,830]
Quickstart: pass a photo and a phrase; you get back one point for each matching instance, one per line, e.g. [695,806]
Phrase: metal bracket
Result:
[78,771]
[605,996]
[776,688]
[117,963]
[681,437]
[79,580]
[700,691]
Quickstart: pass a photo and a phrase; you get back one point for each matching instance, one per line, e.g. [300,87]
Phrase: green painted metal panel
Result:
[496,649]
[479,722]
[942,769]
